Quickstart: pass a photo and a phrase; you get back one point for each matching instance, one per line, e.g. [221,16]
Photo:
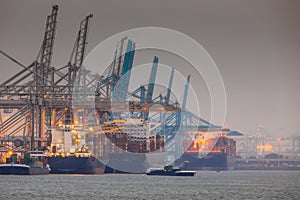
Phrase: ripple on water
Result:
[205,185]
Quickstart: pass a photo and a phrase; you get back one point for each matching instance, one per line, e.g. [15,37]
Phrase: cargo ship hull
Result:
[75,165]
[17,169]
[211,162]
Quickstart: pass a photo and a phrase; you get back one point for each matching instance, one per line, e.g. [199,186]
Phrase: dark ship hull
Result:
[75,165]
[16,169]
[213,161]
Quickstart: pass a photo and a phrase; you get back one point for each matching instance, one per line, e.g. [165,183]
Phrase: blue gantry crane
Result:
[167,99]
[152,80]
[122,85]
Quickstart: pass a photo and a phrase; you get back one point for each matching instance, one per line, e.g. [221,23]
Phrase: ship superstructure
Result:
[69,140]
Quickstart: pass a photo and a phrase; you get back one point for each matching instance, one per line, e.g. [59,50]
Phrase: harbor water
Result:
[204,185]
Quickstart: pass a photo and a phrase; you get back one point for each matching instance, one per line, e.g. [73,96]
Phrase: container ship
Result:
[214,154]
[69,154]
[123,145]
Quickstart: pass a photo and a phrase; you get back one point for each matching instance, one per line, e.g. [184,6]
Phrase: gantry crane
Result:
[44,96]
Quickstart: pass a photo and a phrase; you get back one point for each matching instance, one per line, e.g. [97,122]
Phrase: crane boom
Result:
[152,79]
[45,55]
[170,86]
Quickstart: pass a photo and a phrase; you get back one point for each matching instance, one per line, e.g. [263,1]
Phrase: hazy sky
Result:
[255,44]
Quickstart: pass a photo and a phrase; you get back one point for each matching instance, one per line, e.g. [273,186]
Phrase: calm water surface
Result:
[204,185]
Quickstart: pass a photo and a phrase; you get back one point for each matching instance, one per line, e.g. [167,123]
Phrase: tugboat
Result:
[34,164]
[169,171]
